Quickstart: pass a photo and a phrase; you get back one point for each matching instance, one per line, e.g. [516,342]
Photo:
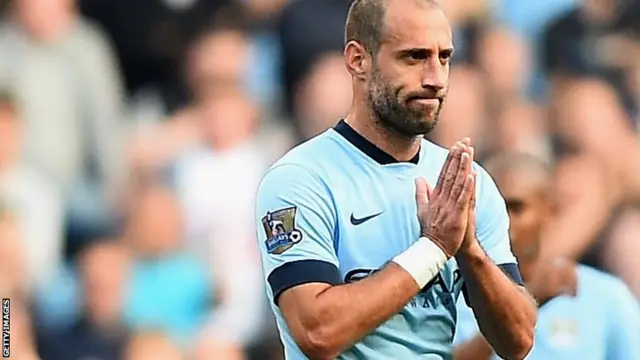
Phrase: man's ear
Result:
[357,60]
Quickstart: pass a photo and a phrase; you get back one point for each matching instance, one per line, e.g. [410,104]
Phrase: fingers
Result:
[451,166]
[422,191]
[472,200]
[445,169]
[461,175]
[452,170]
[468,189]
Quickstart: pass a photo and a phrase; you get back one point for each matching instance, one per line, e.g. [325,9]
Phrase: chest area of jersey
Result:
[376,220]
[564,330]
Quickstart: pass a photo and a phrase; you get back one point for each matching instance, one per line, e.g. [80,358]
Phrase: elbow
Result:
[317,344]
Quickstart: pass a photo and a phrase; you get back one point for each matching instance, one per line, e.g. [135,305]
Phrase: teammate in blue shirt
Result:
[585,314]
[363,259]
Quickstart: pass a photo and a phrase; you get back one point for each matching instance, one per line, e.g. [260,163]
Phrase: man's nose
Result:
[434,76]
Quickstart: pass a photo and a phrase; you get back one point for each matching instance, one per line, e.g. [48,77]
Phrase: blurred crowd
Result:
[133,135]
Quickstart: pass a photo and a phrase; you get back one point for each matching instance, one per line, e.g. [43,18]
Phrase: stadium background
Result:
[133,135]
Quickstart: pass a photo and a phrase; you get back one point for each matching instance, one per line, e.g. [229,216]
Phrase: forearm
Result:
[506,314]
[474,349]
[342,315]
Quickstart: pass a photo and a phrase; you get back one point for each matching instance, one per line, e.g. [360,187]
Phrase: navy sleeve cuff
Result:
[302,272]
[512,272]
[510,269]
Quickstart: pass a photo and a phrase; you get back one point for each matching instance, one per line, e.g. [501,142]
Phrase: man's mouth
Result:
[430,101]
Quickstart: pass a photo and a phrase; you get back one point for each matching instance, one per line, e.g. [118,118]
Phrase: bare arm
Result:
[505,312]
[326,320]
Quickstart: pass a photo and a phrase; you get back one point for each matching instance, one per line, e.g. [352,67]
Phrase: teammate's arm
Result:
[505,312]
[324,316]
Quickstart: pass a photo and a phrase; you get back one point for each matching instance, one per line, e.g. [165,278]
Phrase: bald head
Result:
[365,22]
[521,167]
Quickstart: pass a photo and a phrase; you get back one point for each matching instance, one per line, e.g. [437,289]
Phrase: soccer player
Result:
[362,259]
[584,313]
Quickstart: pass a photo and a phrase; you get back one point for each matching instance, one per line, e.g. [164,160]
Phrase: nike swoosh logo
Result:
[356,221]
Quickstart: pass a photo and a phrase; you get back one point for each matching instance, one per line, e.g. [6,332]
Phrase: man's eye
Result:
[445,55]
[515,206]
[419,56]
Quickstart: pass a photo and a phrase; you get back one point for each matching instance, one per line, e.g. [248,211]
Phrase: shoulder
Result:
[302,178]
[310,161]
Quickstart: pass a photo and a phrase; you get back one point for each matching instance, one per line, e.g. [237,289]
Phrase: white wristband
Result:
[423,260]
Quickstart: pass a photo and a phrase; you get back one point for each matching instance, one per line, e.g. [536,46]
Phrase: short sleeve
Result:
[296,225]
[492,225]
[624,334]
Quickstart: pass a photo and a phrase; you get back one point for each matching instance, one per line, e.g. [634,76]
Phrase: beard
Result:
[397,114]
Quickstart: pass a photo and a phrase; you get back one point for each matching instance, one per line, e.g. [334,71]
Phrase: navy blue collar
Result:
[368,147]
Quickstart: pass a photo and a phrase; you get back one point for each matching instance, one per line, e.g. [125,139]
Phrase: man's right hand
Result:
[443,211]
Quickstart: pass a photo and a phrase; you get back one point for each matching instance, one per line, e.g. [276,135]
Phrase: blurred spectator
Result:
[217,155]
[152,346]
[585,189]
[623,247]
[68,87]
[99,333]
[528,17]
[323,96]
[169,289]
[216,64]
[506,61]
[579,107]
[308,29]
[520,127]
[591,40]
[215,182]
[506,64]
[465,112]
[36,204]
[151,38]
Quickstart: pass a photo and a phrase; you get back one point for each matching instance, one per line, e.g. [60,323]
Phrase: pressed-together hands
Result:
[447,211]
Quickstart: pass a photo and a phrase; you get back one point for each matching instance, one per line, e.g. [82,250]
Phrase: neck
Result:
[400,146]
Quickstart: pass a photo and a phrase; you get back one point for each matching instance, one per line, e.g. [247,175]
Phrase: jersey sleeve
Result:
[296,222]
[624,335]
[492,225]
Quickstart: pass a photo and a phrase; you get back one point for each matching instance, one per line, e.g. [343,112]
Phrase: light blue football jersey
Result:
[337,208]
[601,323]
